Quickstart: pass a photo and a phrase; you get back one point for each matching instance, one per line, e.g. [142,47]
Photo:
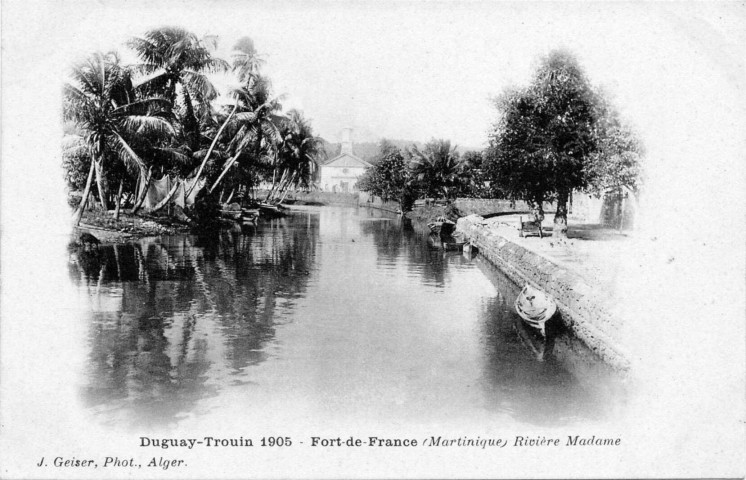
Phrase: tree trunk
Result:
[103,192]
[168,198]
[231,161]
[230,197]
[119,200]
[281,185]
[145,184]
[560,217]
[83,201]
[274,181]
[209,152]
[287,187]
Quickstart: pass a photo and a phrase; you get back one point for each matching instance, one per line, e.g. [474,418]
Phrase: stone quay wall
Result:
[482,206]
[368,200]
[580,305]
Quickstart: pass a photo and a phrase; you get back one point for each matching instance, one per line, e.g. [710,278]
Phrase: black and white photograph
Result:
[372,239]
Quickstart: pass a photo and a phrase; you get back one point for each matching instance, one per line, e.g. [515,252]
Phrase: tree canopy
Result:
[436,169]
[554,136]
[133,124]
[389,178]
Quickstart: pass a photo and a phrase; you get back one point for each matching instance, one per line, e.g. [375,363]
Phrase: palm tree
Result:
[297,155]
[436,168]
[100,99]
[175,65]
[255,128]
[251,127]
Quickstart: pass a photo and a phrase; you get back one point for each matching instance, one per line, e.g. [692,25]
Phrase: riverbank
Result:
[579,273]
[106,229]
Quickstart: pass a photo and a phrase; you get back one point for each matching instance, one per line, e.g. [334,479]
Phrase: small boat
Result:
[249,215]
[442,226]
[535,307]
[453,243]
[272,210]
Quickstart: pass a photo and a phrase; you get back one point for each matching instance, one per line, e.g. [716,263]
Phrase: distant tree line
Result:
[554,136]
[436,170]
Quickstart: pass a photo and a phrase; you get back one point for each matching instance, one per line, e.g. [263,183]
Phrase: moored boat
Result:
[272,210]
[442,226]
[453,242]
[535,307]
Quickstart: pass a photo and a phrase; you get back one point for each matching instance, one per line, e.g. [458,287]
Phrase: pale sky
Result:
[417,70]
[422,70]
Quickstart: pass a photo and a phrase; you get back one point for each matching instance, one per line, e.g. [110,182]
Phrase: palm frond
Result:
[147,73]
[216,65]
[145,102]
[174,155]
[200,86]
[147,125]
[127,154]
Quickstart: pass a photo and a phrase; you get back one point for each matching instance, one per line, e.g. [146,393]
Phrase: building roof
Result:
[347,160]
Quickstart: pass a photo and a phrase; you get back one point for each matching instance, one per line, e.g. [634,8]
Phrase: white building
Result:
[340,174]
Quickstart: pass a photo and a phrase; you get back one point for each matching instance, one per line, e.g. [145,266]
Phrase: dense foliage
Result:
[555,136]
[437,169]
[389,178]
[475,182]
[434,171]
[129,125]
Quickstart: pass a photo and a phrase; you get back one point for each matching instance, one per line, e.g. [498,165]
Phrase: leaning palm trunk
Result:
[101,184]
[119,200]
[227,167]
[276,189]
[168,198]
[145,185]
[209,151]
[83,201]
[287,187]
[274,185]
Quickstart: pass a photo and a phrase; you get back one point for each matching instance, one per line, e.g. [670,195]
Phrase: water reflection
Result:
[542,380]
[324,306]
[170,315]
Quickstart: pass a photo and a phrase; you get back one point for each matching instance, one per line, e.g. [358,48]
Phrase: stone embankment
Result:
[581,303]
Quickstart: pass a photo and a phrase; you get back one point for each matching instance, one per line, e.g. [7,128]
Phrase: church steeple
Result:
[347,141]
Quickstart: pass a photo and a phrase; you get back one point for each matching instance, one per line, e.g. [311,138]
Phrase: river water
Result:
[333,313]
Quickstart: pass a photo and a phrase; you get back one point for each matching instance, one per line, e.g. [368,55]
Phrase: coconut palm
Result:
[436,168]
[100,99]
[297,154]
[250,131]
[255,128]
[253,136]
[175,64]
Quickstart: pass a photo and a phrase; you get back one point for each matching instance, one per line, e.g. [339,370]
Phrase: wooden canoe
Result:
[535,307]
